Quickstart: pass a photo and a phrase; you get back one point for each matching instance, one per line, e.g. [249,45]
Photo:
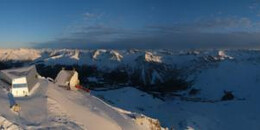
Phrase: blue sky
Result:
[129,23]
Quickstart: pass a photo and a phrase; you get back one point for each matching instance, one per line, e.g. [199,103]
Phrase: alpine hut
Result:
[20,80]
[67,78]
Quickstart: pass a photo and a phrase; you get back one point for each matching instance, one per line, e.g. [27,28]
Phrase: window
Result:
[19,85]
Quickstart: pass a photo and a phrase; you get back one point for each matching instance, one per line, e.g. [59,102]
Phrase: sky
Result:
[123,24]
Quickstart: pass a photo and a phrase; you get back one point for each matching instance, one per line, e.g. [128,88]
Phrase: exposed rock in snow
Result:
[150,57]
[149,123]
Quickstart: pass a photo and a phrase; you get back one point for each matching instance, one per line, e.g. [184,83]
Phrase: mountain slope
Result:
[90,111]
[52,107]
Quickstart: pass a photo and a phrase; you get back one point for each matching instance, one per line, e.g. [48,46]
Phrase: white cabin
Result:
[21,80]
[67,78]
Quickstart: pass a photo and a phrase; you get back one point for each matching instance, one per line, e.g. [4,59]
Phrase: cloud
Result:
[204,33]
[255,8]
[171,40]
[253,5]
[89,15]
[208,25]
[225,22]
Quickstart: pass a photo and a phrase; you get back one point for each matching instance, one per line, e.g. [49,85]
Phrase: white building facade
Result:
[21,80]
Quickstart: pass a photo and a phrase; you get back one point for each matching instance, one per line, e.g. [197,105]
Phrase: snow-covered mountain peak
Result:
[19,54]
[97,53]
[116,55]
[150,57]
[107,54]
[223,55]
[75,55]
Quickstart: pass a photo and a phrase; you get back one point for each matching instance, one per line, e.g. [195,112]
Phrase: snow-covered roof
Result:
[18,72]
[64,76]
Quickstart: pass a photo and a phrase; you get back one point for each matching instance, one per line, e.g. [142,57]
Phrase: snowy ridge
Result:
[53,107]
[110,58]
[19,54]
[102,54]
[91,110]
[76,55]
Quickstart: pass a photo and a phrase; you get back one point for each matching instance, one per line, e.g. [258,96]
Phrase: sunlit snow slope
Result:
[52,107]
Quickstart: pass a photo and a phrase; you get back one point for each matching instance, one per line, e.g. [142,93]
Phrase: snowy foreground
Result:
[52,107]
